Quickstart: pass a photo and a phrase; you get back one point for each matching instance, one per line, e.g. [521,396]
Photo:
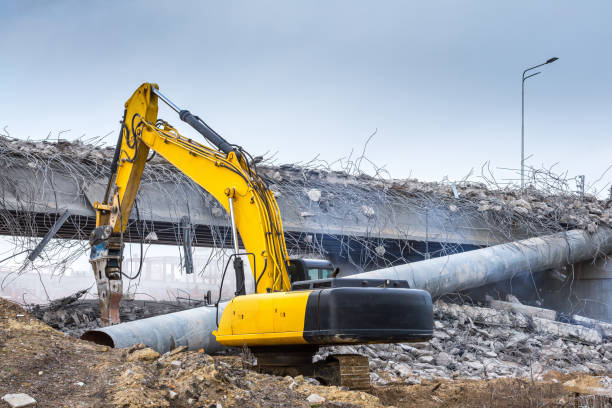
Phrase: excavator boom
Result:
[225,174]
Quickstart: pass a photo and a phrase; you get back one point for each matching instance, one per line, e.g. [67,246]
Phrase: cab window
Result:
[319,273]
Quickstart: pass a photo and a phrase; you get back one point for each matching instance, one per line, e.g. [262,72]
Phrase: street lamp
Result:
[549,61]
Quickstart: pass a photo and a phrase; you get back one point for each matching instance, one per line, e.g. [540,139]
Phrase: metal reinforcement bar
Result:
[479,267]
[193,328]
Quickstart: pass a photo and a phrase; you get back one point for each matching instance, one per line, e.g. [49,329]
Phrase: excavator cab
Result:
[300,269]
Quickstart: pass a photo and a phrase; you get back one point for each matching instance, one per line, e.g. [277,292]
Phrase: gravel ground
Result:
[61,371]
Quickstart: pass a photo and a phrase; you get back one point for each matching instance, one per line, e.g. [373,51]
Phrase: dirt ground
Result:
[61,371]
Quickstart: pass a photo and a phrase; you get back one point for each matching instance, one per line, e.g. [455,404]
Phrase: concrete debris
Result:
[552,202]
[479,342]
[77,316]
[314,194]
[151,236]
[582,328]
[566,331]
[368,211]
[19,400]
[605,329]
[315,399]
[512,299]
[524,309]
[178,350]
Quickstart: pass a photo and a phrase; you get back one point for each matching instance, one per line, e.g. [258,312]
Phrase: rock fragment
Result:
[19,400]
[368,211]
[315,399]
[314,194]
[146,354]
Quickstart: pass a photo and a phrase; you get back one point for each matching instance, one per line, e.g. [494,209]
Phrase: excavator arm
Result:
[226,174]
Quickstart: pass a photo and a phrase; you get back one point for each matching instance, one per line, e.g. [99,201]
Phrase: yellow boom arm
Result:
[229,177]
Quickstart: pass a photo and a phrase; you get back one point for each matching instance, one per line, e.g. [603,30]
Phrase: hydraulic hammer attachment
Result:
[105,259]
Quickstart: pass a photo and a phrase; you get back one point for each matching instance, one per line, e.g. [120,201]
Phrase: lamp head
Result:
[550,60]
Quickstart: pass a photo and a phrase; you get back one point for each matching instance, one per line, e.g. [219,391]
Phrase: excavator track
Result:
[345,370]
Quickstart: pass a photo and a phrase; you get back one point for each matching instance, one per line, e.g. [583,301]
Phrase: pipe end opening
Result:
[98,337]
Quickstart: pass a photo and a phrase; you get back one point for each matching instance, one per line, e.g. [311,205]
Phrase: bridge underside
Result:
[368,252]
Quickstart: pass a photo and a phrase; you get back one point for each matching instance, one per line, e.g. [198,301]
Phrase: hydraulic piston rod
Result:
[198,124]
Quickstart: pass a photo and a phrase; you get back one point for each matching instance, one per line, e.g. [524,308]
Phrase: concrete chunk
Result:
[604,328]
[524,309]
[315,399]
[481,315]
[513,299]
[19,400]
[567,331]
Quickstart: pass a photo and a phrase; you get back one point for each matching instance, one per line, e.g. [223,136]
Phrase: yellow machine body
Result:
[264,319]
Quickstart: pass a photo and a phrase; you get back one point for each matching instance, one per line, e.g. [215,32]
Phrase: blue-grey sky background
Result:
[440,80]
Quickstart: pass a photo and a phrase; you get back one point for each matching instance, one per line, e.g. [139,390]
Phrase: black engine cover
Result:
[344,315]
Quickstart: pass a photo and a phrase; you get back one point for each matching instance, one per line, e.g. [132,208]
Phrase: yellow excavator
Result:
[284,321]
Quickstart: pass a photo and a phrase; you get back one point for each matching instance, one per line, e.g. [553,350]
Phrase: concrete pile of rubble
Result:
[550,207]
[75,316]
[491,342]
[554,210]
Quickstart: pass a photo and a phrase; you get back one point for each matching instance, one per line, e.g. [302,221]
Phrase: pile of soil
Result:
[61,371]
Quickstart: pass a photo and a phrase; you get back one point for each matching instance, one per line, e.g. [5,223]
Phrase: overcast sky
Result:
[440,80]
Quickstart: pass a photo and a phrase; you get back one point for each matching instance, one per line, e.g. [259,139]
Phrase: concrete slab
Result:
[567,331]
[524,309]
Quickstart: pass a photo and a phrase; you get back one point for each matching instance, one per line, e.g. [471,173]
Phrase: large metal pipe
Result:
[192,328]
[479,267]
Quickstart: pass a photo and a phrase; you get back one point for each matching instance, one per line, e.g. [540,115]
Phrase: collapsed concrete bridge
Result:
[361,223]
[323,212]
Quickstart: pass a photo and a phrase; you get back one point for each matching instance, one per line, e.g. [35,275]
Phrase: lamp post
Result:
[549,61]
